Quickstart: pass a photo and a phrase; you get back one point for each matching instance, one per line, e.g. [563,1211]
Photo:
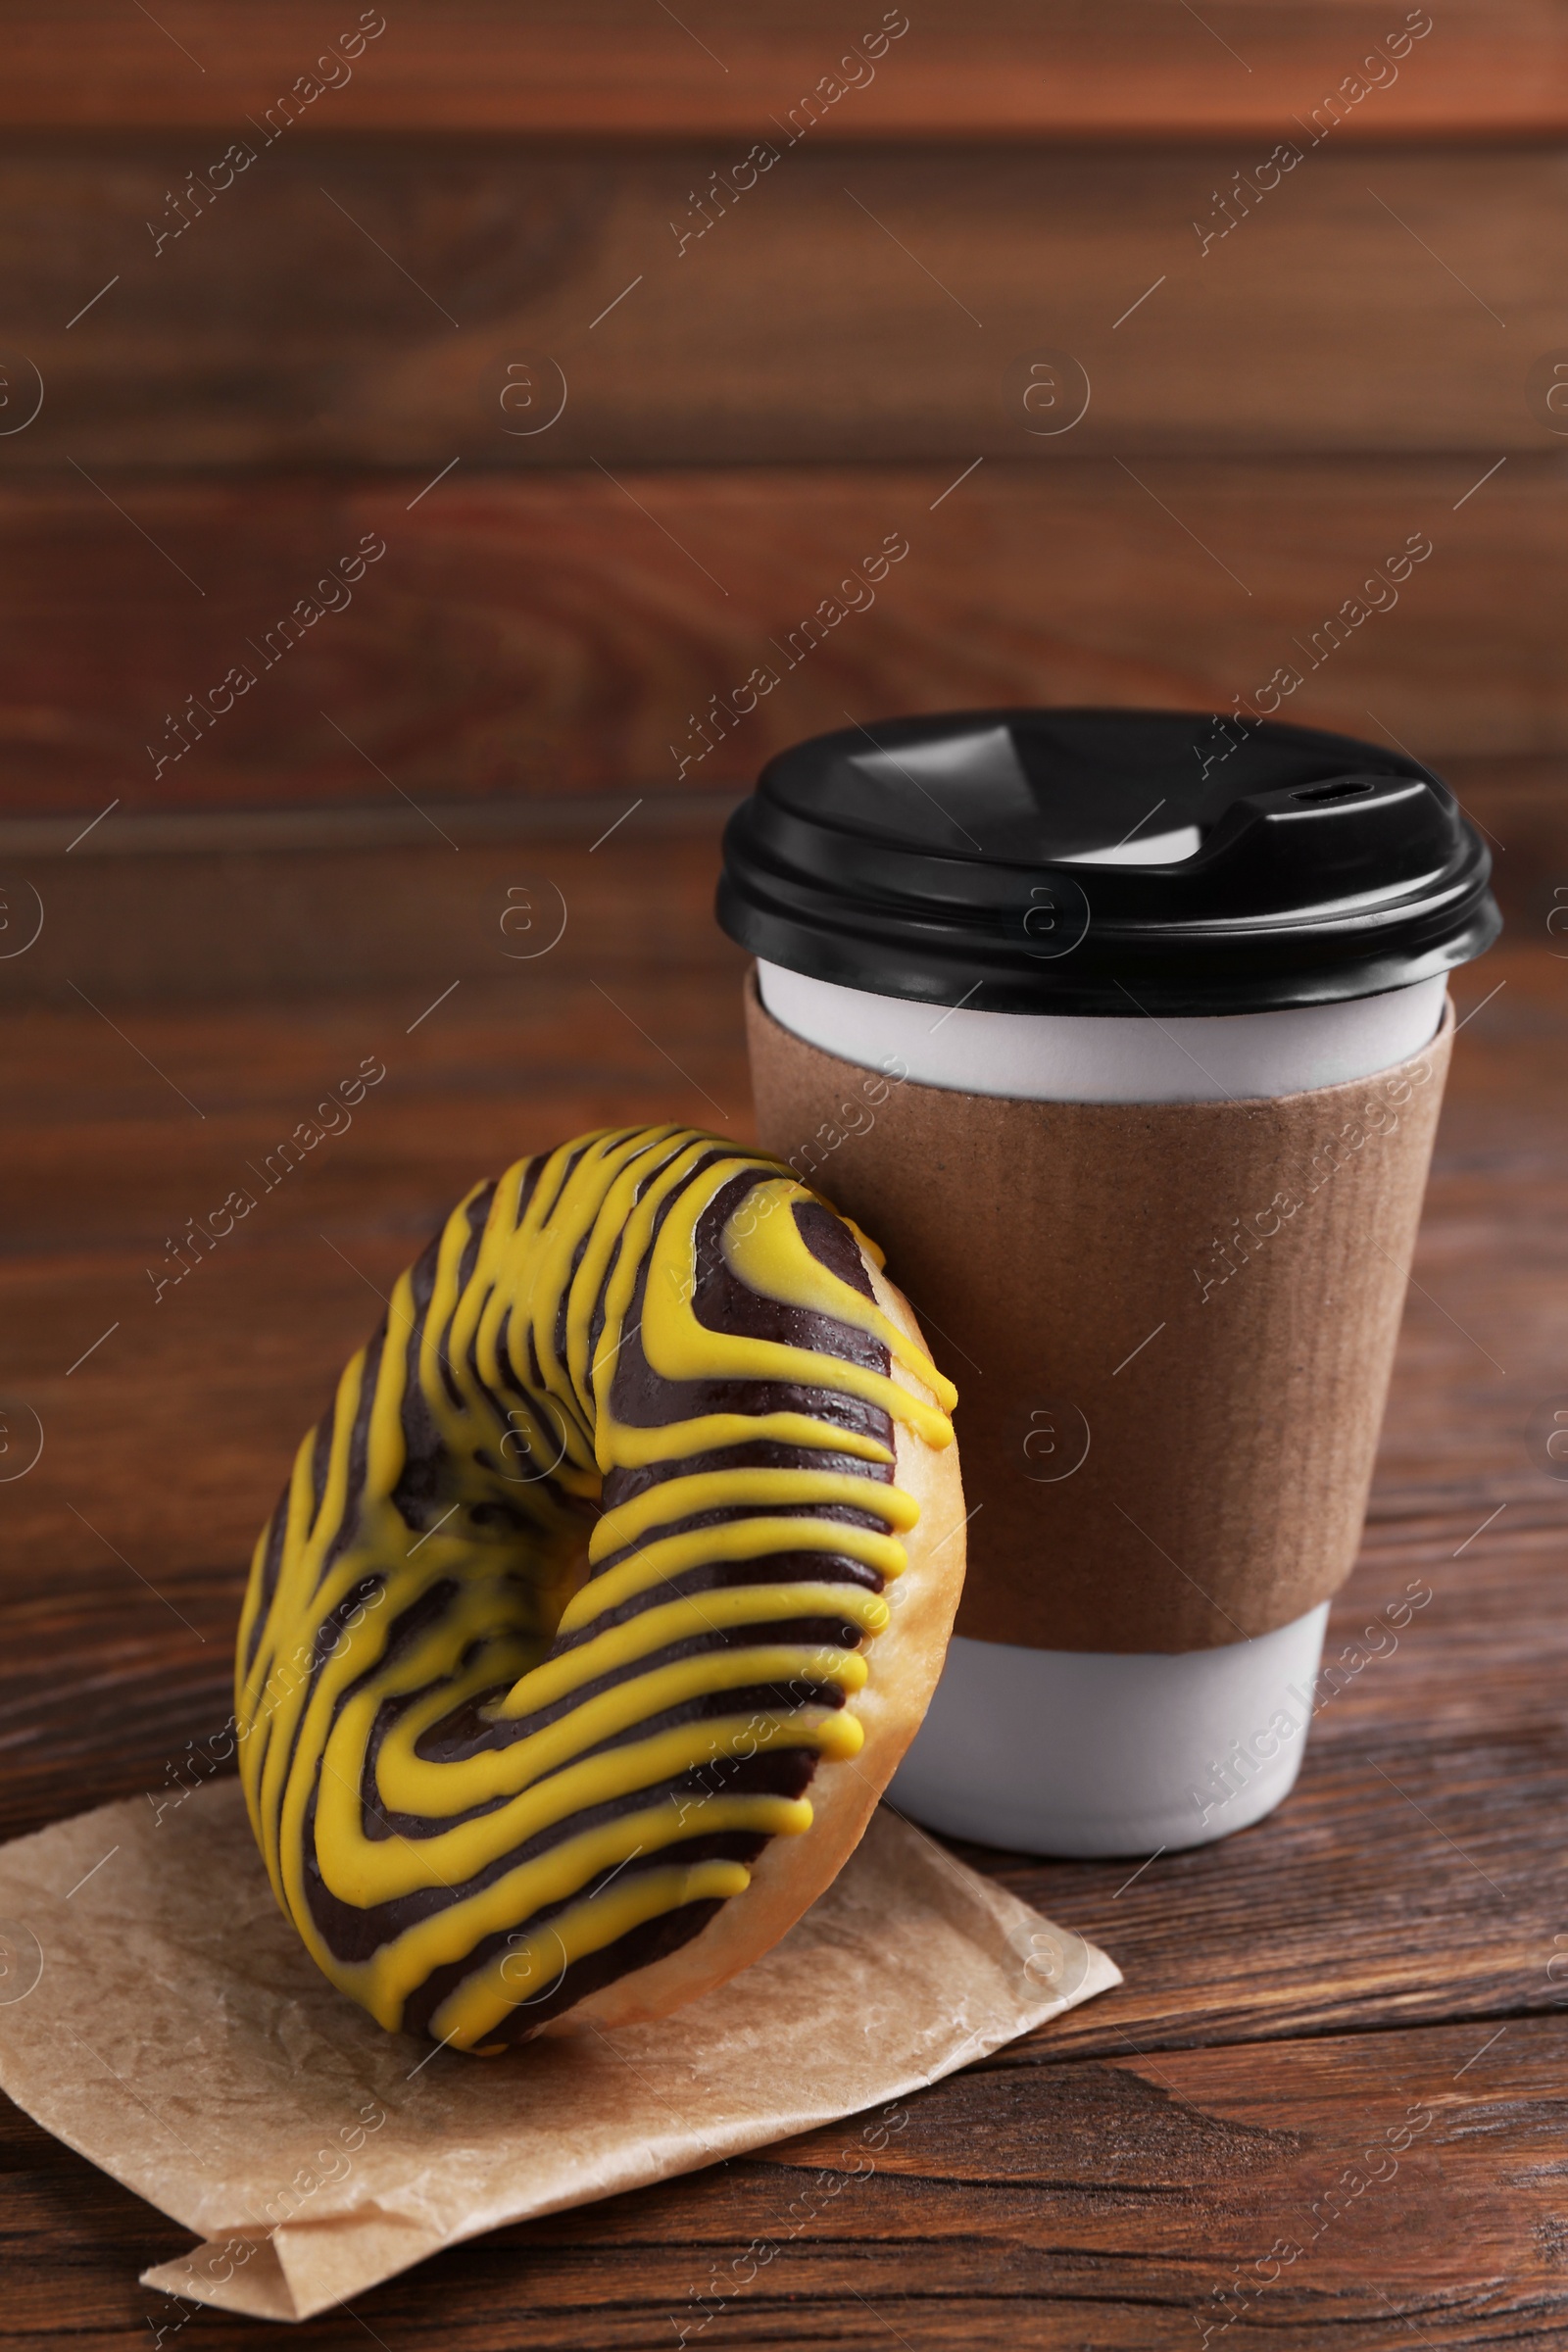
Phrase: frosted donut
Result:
[578,1590]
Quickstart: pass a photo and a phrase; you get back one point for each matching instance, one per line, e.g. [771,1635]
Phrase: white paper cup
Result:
[1088,1752]
[948,896]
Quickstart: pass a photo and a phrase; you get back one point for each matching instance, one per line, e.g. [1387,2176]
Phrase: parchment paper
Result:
[159,2014]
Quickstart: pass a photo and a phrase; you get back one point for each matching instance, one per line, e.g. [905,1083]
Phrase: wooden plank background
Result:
[614,67]
[361,304]
[1145,407]
[365,338]
[570,632]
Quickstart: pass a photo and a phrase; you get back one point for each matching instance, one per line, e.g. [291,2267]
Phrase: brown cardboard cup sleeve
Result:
[1171,1326]
[159,2014]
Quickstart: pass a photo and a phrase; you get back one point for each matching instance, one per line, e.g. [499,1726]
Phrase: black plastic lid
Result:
[935,859]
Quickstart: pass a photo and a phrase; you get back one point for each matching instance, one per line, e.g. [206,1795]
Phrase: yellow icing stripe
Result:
[366,1871]
[417,1785]
[623,1447]
[760,1489]
[653,1629]
[737,1540]
[764,1248]
[679,1348]
[450,1934]
[537,1962]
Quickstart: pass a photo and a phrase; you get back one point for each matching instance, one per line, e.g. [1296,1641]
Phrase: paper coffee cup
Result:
[1146,1145]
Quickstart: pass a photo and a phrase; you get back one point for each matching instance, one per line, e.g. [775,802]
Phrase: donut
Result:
[599,1609]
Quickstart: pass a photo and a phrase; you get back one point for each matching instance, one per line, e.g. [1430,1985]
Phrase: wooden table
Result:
[1385,1952]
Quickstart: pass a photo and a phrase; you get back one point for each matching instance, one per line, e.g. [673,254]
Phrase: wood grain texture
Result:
[364,305]
[213,905]
[570,633]
[239,925]
[559,629]
[1377,2191]
[998,67]
[1386,1944]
